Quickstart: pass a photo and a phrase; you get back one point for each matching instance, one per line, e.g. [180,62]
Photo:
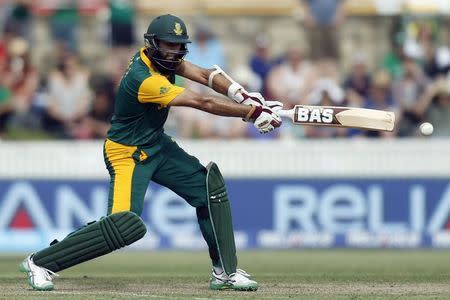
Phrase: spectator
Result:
[261,62]
[434,107]
[418,40]
[206,50]
[5,109]
[3,45]
[96,124]
[411,84]
[122,23]
[393,61]
[407,91]
[20,79]
[291,81]
[5,93]
[442,56]
[68,97]
[430,65]
[323,18]
[357,83]
[122,38]
[19,20]
[64,24]
[380,97]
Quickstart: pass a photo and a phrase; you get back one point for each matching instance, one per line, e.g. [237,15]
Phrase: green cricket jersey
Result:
[141,103]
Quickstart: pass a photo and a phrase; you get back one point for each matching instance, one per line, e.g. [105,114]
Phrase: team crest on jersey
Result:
[163,90]
[178,30]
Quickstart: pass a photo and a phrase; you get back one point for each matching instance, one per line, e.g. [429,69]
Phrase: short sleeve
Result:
[158,89]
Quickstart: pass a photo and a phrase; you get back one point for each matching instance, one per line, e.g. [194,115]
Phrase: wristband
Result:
[254,113]
[233,92]
[214,73]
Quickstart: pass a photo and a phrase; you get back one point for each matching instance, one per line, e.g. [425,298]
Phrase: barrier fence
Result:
[334,193]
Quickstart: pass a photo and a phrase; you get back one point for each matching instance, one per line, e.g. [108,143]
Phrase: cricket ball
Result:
[426,128]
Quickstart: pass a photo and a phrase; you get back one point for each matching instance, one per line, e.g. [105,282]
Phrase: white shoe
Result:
[238,281]
[218,281]
[242,272]
[38,277]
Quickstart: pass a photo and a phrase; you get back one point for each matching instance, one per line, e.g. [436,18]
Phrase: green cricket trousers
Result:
[132,167]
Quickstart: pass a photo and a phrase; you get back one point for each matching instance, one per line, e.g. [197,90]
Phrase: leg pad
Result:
[91,241]
[220,214]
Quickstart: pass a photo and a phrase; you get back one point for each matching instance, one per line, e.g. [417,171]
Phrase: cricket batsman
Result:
[137,150]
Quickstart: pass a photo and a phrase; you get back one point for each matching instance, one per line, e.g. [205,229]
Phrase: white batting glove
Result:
[264,119]
[257,99]
[244,97]
[274,105]
[253,98]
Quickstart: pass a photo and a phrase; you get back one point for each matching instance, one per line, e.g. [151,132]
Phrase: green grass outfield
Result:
[303,274]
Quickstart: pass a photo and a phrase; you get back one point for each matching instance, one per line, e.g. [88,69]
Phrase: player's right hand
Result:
[265,119]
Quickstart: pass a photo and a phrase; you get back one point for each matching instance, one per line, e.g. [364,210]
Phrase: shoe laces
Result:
[238,278]
[224,277]
[46,273]
[49,274]
[243,273]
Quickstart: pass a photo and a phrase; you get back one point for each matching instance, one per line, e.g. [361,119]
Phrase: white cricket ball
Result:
[426,128]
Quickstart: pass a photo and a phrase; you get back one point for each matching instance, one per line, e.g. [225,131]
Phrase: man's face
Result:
[171,47]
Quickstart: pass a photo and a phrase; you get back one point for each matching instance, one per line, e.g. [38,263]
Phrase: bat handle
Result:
[286,113]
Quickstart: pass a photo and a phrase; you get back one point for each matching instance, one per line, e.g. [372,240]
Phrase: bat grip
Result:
[285,113]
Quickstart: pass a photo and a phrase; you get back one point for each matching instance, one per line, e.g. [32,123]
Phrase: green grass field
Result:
[304,274]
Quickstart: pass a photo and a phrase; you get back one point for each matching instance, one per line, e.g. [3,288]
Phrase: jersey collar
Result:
[147,61]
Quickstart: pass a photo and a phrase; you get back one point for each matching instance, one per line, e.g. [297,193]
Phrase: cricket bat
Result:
[362,118]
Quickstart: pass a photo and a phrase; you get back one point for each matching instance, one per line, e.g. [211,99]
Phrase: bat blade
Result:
[352,117]
[367,119]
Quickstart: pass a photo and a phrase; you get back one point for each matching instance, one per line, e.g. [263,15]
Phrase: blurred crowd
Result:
[72,100]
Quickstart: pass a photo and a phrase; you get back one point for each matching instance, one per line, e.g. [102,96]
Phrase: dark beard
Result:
[170,74]
[159,65]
